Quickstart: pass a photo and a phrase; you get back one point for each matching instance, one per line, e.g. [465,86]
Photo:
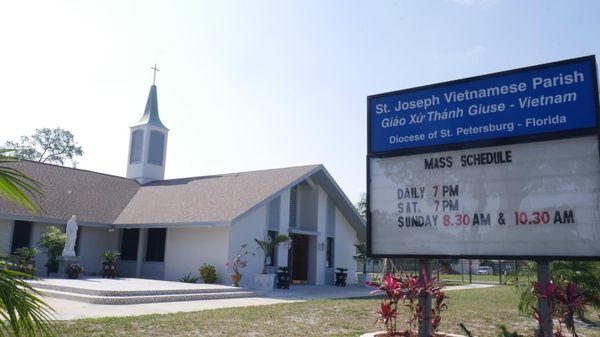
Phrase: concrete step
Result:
[127,293]
[137,299]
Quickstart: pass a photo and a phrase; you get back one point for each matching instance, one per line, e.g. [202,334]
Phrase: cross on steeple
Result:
[155,70]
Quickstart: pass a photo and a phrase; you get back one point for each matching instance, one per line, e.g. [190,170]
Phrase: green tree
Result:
[22,311]
[54,146]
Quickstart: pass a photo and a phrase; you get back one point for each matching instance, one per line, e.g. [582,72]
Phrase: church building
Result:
[165,229]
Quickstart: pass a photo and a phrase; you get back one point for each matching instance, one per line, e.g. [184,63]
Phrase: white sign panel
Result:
[523,200]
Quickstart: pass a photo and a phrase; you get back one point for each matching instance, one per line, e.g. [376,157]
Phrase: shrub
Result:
[110,256]
[26,254]
[53,242]
[189,278]
[208,273]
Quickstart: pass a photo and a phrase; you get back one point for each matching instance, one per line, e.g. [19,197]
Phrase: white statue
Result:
[71,234]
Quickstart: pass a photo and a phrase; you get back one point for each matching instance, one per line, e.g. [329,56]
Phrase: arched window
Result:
[157,148]
[137,141]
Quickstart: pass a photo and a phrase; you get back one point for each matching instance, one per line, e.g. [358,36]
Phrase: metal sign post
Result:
[425,299]
[543,277]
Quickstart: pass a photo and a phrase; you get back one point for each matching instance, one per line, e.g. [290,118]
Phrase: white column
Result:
[141,251]
[322,238]
[284,226]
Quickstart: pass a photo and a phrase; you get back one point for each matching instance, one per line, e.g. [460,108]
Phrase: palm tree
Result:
[22,312]
[268,245]
[361,255]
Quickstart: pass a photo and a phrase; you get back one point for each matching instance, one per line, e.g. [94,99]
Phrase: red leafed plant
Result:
[562,305]
[407,288]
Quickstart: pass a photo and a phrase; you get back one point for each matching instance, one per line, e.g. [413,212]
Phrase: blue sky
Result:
[250,85]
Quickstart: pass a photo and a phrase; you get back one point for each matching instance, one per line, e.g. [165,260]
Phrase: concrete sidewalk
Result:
[66,310]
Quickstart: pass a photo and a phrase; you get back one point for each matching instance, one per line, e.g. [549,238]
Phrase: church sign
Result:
[505,165]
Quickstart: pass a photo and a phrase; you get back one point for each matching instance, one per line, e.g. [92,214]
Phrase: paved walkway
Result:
[66,310]
[98,284]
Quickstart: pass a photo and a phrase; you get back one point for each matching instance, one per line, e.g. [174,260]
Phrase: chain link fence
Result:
[460,271]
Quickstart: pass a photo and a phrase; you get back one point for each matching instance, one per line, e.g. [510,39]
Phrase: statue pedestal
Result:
[63,263]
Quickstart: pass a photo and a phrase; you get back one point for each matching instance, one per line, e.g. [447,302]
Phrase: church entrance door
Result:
[299,258]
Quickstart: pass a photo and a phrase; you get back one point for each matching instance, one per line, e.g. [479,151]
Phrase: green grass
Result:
[481,310]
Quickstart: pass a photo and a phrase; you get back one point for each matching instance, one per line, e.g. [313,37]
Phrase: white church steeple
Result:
[148,143]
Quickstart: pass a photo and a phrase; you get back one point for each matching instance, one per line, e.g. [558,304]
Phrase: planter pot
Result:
[264,281]
[109,269]
[235,279]
[27,267]
[283,280]
[372,334]
[340,279]
[51,268]
[73,276]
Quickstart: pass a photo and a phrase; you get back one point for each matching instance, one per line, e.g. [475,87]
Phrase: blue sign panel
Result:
[553,98]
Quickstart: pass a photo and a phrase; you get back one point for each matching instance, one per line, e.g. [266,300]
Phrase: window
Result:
[21,235]
[330,217]
[155,247]
[273,217]
[329,256]
[129,244]
[293,205]
[157,148]
[137,142]
[273,253]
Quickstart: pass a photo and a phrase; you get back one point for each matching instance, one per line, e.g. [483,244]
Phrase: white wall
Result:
[153,270]
[126,268]
[307,207]
[284,226]
[321,240]
[188,248]
[250,226]
[41,258]
[6,227]
[344,249]
[92,243]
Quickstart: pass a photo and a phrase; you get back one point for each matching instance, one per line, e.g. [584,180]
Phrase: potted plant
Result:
[340,276]
[264,281]
[208,273]
[237,264]
[362,257]
[74,270]
[283,278]
[25,259]
[109,263]
[53,242]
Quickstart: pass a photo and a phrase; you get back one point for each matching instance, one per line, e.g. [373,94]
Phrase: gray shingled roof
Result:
[101,198]
[218,198]
[98,198]
[93,197]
